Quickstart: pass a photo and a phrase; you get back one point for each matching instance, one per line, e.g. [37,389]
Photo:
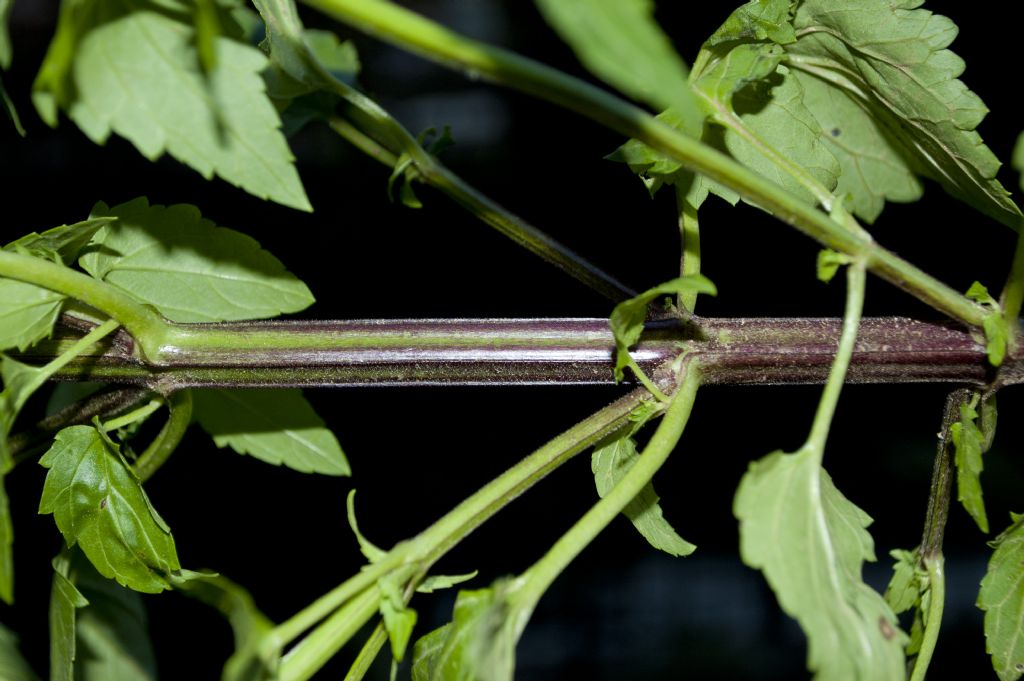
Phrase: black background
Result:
[621,611]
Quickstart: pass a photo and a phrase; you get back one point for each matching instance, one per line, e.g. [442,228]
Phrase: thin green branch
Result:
[689,235]
[178,421]
[417,34]
[937,601]
[540,576]
[837,374]
[1012,296]
[144,324]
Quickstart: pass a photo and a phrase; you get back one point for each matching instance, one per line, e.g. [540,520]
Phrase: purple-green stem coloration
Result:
[534,351]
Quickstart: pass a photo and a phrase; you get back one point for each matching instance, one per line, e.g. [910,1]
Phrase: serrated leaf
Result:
[256,653]
[810,542]
[13,666]
[437,582]
[1002,599]
[609,464]
[969,442]
[113,637]
[399,619]
[627,319]
[620,42]
[65,599]
[756,20]
[60,244]
[900,71]
[909,588]
[479,643]
[188,268]
[369,550]
[111,65]
[99,504]
[275,426]
[27,313]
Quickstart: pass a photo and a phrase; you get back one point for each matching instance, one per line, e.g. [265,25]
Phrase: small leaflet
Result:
[908,589]
[627,319]
[99,504]
[369,550]
[997,332]
[399,619]
[810,542]
[187,267]
[112,63]
[479,642]
[438,582]
[278,427]
[610,463]
[970,443]
[1002,599]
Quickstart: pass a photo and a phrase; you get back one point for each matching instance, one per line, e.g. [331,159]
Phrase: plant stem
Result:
[942,481]
[142,323]
[407,30]
[178,421]
[689,235]
[431,171]
[468,515]
[367,654]
[540,576]
[530,351]
[138,414]
[1012,296]
[937,586]
[837,374]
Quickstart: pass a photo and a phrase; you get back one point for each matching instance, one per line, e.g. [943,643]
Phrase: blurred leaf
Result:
[65,599]
[99,504]
[13,666]
[275,426]
[609,463]
[810,542]
[111,64]
[1002,599]
[256,653]
[188,268]
[620,42]
[6,51]
[438,582]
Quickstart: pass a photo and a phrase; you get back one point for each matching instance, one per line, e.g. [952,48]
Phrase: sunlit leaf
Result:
[187,267]
[1002,599]
[111,65]
[275,426]
[609,464]
[810,542]
[100,505]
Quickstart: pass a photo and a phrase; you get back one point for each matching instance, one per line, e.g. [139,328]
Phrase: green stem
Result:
[1012,296]
[362,141]
[139,414]
[178,421]
[78,347]
[145,325]
[417,34]
[436,540]
[837,374]
[937,589]
[689,234]
[367,654]
[310,654]
[540,576]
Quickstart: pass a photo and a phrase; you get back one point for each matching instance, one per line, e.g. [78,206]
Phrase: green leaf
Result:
[810,542]
[111,65]
[1002,599]
[65,599]
[609,464]
[829,262]
[6,51]
[60,244]
[27,313]
[366,547]
[188,268]
[113,639]
[479,644]
[13,666]
[275,426]
[997,330]
[970,443]
[909,588]
[620,42]
[437,582]
[756,20]
[99,504]
[899,72]
[257,652]
[399,619]
[627,319]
